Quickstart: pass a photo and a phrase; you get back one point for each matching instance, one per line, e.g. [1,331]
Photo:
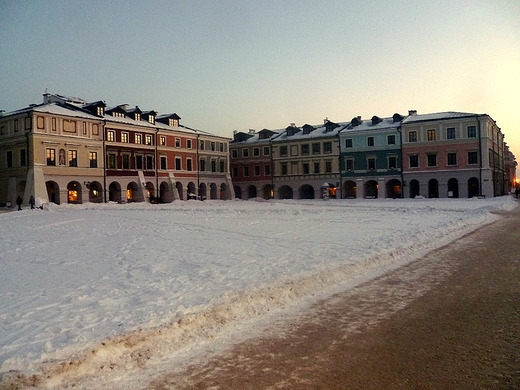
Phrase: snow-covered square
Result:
[76,278]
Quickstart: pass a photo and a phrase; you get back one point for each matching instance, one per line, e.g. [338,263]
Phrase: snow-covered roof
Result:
[328,129]
[371,125]
[437,116]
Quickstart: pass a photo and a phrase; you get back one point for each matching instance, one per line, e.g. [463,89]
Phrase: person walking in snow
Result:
[19,202]
[31,202]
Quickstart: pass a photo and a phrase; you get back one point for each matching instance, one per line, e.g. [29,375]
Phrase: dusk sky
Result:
[227,65]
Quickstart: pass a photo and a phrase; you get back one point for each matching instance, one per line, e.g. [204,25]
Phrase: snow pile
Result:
[87,290]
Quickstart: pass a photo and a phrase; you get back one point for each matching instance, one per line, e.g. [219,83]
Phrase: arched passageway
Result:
[74,192]
[349,189]
[473,187]
[251,192]
[371,189]
[95,192]
[238,192]
[453,188]
[53,191]
[306,192]
[114,192]
[285,192]
[433,188]
[415,188]
[393,189]
[268,192]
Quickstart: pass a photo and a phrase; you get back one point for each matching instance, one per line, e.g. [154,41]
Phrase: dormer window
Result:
[173,122]
[151,119]
[137,116]
[100,111]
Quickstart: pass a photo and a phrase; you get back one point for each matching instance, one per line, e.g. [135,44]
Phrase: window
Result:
[450,133]
[283,150]
[9,159]
[23,158]
[73,158]
[284,169]
[414,161]
[245,152]
[349,164]
[222,166]
[149,162]
[178,163]
[201,145]
[431,135]
[235,172]
[472,158]
[16,126]
[148,139]
[452,159]
[84,128]
[348,143]
[188,143]
[234,153]
[92,156]
[213,166]
[257,170]
[266,150]
[472,132]
[267,170]
[432,160]
[110,135]
[138,139]
[125,159]
[202,165]
[100,111]
[124,137]
[390,139]
[246,171]
[305,149]
[371,163]
[392,162]
[370,141]
[221,147]
[177,142]
[316,148]
[328,166]
[316,167]
[137,116]
[256,152]
[138,162]
[189,164]
[213,146]
[294,150]
[111,161]
[306,169]
[53,124]
[327,147]
[162,140]
[163,163]
[412,136]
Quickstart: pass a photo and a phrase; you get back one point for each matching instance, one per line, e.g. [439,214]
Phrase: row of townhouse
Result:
[449,154]
[67,150]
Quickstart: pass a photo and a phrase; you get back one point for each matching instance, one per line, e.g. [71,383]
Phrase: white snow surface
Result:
[91,284]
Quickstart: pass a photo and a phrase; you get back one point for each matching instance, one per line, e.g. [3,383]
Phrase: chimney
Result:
[235,132]
[293,124]
[326,120]
[46,97]
[412,112]
[251,131]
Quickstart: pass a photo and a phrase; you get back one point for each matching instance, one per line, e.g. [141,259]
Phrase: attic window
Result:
[118,114]
[100,111]
[151,119]
[173,122]
[137,116]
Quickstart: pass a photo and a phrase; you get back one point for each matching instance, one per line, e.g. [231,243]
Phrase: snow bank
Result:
[106,289]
